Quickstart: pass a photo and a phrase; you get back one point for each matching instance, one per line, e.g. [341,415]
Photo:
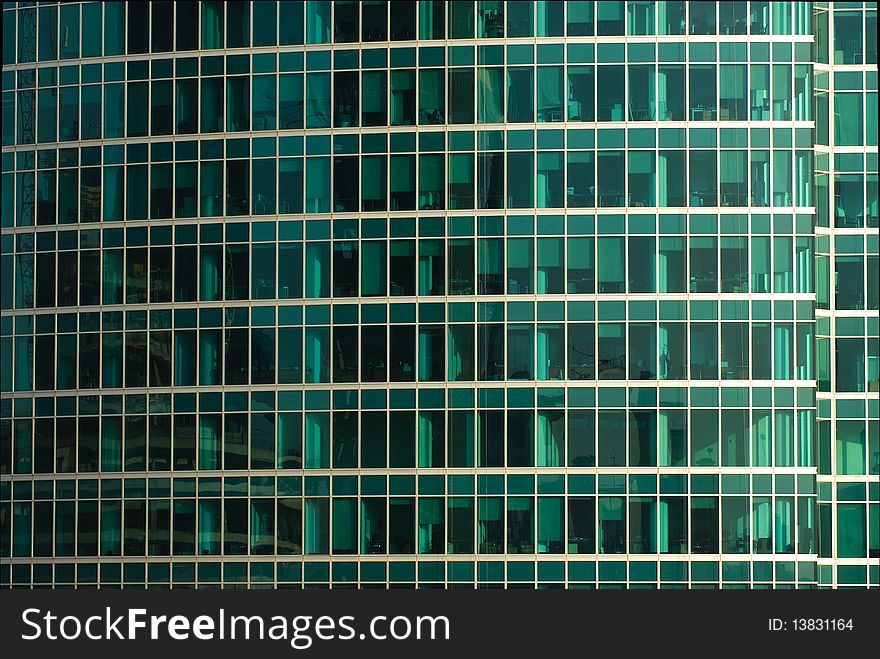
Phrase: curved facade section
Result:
[439,294]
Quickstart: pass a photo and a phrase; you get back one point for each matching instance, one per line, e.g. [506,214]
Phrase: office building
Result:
[439,294]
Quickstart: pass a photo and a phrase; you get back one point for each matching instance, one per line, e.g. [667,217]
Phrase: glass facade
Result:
[439,294]
[847,276]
